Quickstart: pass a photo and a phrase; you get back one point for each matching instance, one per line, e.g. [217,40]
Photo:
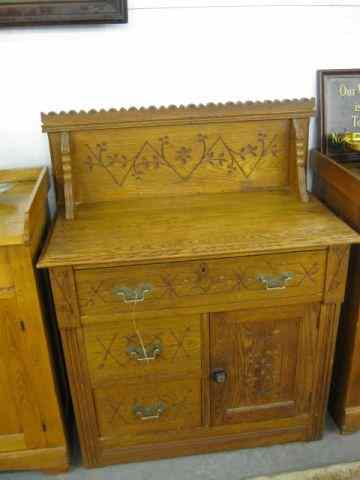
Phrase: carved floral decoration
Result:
[150,157]
[262,353]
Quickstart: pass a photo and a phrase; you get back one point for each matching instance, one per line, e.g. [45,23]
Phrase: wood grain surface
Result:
[32,434]
[119,154]
[205,209]
[269,357]
[188,227]
[196,283]
[109,350]
[19,204]
[338,185]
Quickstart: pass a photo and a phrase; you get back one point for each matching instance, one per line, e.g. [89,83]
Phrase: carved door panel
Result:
[262,363]
[20,422]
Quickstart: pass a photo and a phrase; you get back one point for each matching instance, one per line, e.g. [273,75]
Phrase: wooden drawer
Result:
[173,347]
[187,284]
[148,408]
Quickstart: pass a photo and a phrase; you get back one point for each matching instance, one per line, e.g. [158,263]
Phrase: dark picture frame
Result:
[339,106]
[47,12]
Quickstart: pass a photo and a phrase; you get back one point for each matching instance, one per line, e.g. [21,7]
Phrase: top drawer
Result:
[197,283]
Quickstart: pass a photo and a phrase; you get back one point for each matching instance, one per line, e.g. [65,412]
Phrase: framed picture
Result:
[339,106]
[38,12]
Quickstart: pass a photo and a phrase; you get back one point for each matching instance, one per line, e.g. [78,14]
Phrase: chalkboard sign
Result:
[339,97]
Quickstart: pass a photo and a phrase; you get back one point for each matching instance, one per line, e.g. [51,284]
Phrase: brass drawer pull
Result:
[152,351]
[133,295]
[149,413]
[275,283]
[5,187]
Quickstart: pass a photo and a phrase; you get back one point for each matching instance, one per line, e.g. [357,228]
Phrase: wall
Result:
[171,52]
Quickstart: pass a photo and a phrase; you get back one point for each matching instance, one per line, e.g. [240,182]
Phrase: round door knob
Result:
[219,375]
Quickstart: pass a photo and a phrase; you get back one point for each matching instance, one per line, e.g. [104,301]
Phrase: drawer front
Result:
[148,407]
[197,283]
[172,347]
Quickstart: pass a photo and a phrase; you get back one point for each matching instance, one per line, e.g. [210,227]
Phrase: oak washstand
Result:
[197,284]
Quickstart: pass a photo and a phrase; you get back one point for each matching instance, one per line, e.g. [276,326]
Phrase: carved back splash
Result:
[114,155]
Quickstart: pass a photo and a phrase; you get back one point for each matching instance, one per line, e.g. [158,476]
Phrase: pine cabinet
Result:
[31,427]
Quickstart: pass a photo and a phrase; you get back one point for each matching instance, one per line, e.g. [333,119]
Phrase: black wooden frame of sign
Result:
[322,76]
[45,12]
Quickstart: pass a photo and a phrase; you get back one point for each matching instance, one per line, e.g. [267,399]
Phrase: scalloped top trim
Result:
[268,107]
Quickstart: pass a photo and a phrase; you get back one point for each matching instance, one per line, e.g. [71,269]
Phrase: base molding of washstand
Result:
[49,460]
[202,445]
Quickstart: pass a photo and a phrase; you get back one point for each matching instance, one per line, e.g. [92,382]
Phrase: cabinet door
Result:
[262,363]
[20,422]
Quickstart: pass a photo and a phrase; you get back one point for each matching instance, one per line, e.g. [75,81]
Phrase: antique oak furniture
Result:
[31,427]
[197,284]
[337,183]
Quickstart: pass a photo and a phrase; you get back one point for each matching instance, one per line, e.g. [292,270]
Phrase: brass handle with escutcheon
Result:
[152,351]
[133,295]
[5,187]
[275,282]
[153,412]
